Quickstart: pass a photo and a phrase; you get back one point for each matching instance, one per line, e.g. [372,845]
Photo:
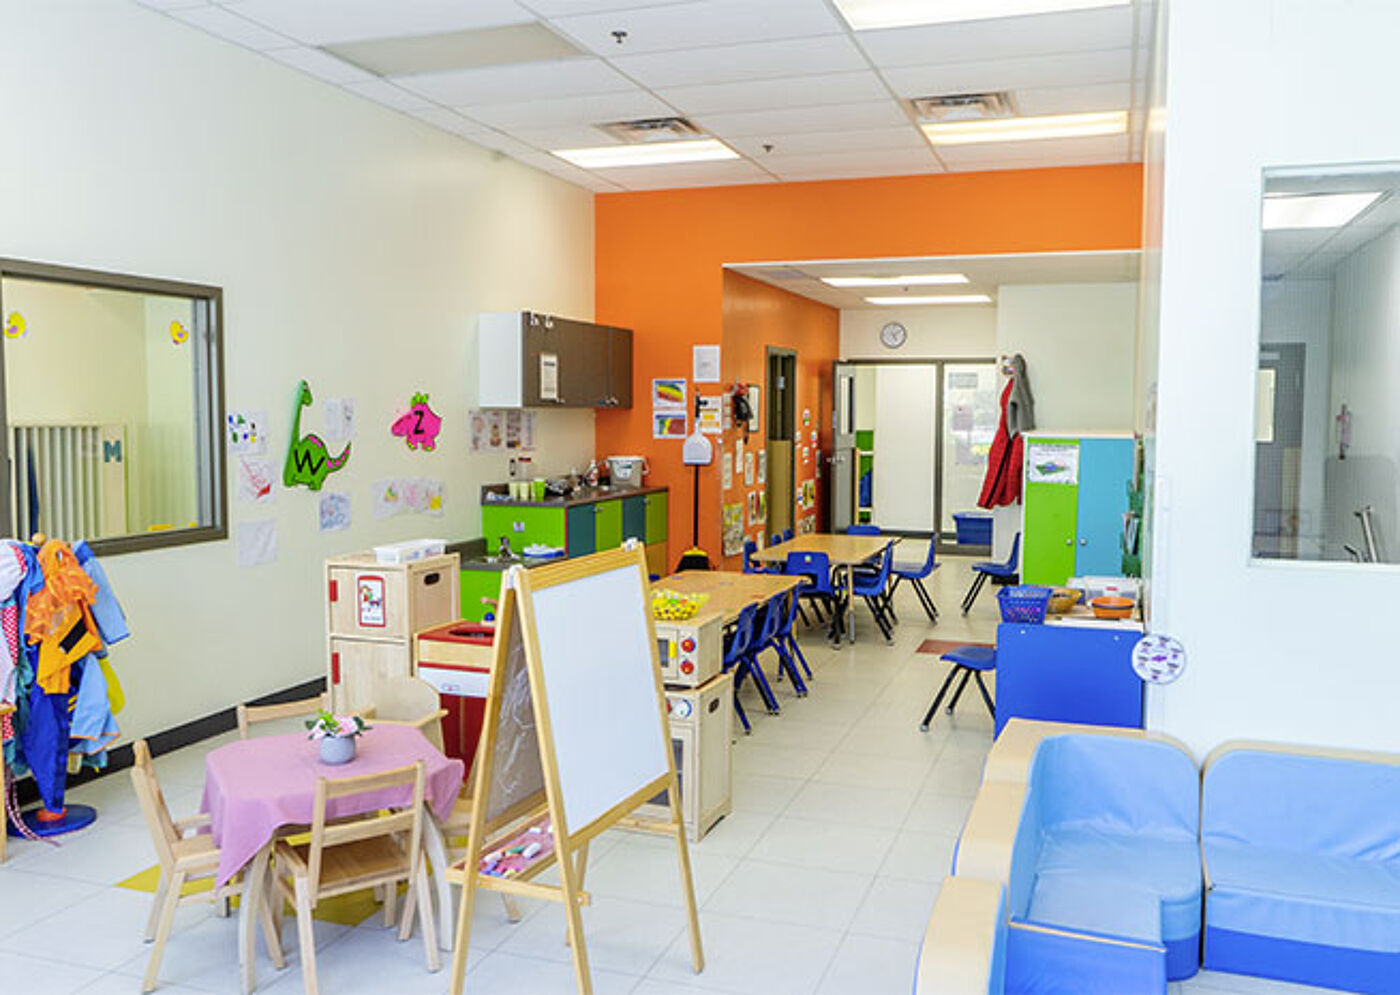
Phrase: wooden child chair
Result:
[375,852]
[251,715]
[182,859]
[407,701]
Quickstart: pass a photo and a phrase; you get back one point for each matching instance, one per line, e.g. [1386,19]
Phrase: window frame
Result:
[211,384]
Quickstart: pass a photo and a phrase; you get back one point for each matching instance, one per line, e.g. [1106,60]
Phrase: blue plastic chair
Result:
[765,629]
[787,534]
[862,530]
[969,661]
[991,568]
[787,638]
[874,588]
[915,574]
[819,589]
[777,628]
[737,639]
[750,567]
[775,538]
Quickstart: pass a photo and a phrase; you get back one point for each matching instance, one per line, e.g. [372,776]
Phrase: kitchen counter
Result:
[492,495]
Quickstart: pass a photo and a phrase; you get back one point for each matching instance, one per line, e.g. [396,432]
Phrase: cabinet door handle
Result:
[1069,542]
[1083,542]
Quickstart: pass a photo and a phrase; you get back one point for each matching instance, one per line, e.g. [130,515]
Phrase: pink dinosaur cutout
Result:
[419,425]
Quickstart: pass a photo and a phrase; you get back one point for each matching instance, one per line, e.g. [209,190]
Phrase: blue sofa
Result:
[1302,856]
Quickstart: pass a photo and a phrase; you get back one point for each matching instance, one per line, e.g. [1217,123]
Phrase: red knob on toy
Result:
[687,667]
[688,644]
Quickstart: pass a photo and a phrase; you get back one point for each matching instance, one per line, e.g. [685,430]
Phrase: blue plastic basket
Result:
[1025,603]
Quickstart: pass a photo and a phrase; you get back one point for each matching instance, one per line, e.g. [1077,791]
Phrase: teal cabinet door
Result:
[634,518]
[582,534]
[1105,470]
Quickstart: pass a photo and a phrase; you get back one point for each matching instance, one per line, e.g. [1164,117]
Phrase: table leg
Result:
[850,604]
[254,881]
[436,846]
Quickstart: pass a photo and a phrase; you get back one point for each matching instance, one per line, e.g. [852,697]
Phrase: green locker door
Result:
[634,518]
[1048,550]
[657,516]
[607,525]
[522,526]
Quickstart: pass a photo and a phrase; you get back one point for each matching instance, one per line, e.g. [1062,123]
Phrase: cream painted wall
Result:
[961,332]
[1259,635]
[355,248]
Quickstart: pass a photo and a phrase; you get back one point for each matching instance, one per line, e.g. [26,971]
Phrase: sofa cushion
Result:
[1097,905]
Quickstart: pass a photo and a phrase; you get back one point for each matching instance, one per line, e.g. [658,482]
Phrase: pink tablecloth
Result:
[254,787]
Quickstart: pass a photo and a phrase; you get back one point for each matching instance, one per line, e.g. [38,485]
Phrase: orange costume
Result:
[59,616]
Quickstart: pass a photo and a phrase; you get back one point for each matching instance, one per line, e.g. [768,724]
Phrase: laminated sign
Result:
[369,598]
[1052,463]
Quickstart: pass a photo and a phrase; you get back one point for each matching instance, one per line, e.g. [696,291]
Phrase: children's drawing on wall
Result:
[246,432]
[179,334]
[668,425]
[807,416]
[727,471]
[256,542]
[733,529]
[408,496]
[335,511]
[763,466]
[15,326]
[419,425]
[806,454]
[762,506]
[748,469]
[433,497]
[387,498]
[255,480]
[1052,463]
[668,394]
[753,508]
[709,418]
[338,414]
[308,461]
[494,431]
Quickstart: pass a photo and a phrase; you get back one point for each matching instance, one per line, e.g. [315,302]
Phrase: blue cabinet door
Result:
[1105,470]
[634,518]
[1062,673]
[581,533]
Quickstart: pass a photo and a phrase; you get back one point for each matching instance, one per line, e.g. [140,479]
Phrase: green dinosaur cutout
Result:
[307,460]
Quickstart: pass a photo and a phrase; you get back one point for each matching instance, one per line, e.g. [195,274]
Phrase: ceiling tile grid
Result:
[786,84]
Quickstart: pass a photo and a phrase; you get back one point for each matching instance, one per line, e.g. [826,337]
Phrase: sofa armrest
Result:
[963,949]
[989,834]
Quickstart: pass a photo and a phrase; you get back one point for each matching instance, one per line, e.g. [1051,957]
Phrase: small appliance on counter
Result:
[690,651]
[626,472]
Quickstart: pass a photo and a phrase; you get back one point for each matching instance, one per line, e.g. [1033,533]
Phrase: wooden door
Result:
[355,666]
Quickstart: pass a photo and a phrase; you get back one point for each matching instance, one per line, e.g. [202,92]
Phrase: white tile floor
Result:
[819,883]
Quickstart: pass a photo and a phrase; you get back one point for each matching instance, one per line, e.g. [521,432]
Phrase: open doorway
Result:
[781,431]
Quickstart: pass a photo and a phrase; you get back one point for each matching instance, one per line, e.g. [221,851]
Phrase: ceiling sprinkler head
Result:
[619,36]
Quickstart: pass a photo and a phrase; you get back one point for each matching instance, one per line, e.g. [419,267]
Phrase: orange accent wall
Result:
[659,258]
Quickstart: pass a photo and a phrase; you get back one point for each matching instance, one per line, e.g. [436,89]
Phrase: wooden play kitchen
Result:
[373,610]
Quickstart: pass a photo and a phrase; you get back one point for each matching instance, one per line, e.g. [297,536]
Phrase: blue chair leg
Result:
[739,711]
[797,652]
[925,598]
[881,620]
[785,664]
[761,682]
[938,698]
[991,708]
[973,591]
[967,676]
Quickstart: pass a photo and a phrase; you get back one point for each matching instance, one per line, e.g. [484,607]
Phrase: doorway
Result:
[779,445]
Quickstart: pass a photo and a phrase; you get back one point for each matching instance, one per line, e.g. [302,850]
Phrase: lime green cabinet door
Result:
[476,585]
[607,525]
[522,526]
[657,512]
[1048,555]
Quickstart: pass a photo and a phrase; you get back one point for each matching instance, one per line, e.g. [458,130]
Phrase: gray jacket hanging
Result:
[1020,409]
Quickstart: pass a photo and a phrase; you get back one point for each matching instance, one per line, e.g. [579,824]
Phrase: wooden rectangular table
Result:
[842,551]
[730,593]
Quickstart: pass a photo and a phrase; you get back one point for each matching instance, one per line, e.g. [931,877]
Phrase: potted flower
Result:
[337,735]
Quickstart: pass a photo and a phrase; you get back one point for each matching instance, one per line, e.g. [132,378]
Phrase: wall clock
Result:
[893,335]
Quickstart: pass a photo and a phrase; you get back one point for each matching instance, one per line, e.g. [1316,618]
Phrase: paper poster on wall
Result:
[726,413]
[762,506]
[754,397]
[247,432]
[806,454]
[256,542]
[255,480]
[334,511]
[709,420]
[962,418]
[733,528]
[1052,463]
[814,437]
[520,430]
[338,414]
[433,500]
[668,425]
[738,455]
[668,394]
[549,376]
[762,467]
[753,508]
[705,364]
[387,498]
[488,430]
[748,469]
[726,471]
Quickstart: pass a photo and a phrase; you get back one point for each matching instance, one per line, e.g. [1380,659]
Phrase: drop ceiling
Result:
[785,83]
[985,274]
[1314,253]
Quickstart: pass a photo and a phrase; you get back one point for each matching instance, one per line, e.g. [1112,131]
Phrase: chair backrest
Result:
[1015,556]
[775,538]
[251,715]
[750,547]
[862,530]
[863,583]
[410,701]
[773,611]
[404,818]
[787,534]
[816,566]
[932,554]
[152,801]
[740,635]
[789,615]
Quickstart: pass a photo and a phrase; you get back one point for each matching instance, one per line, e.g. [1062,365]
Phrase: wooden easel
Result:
[580,630]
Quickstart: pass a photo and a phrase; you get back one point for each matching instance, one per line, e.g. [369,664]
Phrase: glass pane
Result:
[1325,477]
[970,413]
[103,397]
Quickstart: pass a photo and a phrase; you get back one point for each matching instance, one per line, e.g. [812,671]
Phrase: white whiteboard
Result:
[600,679]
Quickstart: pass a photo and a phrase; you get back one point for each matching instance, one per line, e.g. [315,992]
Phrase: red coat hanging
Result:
[1002,485]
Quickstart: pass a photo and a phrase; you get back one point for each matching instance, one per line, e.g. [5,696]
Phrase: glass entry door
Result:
[970,412]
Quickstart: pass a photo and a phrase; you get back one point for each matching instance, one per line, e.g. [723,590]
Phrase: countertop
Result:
[582,497]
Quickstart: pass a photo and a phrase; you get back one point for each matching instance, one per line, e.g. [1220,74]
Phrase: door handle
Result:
[1083,542]
[1069,542]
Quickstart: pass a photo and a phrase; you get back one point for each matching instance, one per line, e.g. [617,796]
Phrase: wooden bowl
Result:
[1062,599]
[1112,607]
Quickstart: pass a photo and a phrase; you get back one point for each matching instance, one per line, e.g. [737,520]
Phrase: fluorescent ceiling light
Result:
[1324,210]
[1024,129]
[913,280]
[648,154]
[867,15]
[932,299]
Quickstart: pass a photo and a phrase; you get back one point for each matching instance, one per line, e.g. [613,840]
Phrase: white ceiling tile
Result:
[531,81]
[1070,69]
[317,63]
[565,136]
[231,27]
[567,8]
[1000,38]
[448,120]
[1074,99]
[766,94]
[693,25]
[794,120]
[318,22]
[172,4]
[758,60]
[865,141]
[1054,151]
[699,174]
[592,109]
[504,144]
[386,93]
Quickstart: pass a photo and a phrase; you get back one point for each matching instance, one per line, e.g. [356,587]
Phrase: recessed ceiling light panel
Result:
[475,48]
[649,154]
[930,299]
[1327,210]
[868,15]
[1023,129]
[912,280]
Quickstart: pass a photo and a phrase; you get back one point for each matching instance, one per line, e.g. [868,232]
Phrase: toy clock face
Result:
[893,335]
[680,708]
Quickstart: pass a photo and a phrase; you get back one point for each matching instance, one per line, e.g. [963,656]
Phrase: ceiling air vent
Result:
[651,129]
[963,106]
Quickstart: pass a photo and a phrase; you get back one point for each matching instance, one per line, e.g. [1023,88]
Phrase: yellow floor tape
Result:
[346,910]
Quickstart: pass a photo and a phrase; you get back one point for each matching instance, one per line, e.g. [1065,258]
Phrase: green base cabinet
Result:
[657,517]
[607,525]
[523,526]
[476,585]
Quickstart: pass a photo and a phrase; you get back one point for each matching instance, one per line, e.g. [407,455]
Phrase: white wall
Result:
[905,446]
[936,332]
[355,248]
[1280,651]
